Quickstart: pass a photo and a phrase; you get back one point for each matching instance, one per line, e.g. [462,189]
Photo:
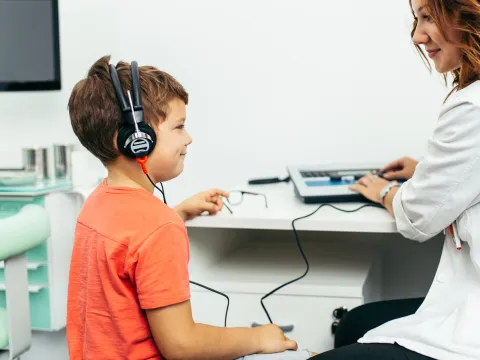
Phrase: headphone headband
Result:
[136,90]
[135,138]
[127,111]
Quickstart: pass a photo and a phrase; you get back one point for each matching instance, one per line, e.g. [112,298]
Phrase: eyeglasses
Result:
[236,198]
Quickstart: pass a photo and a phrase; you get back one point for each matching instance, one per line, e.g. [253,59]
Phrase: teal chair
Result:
[19,233]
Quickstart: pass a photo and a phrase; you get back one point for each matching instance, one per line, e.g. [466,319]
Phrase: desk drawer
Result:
[310,316]
[37,274]
[39,308]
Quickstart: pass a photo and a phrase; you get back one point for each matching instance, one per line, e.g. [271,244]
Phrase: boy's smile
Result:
[167,159]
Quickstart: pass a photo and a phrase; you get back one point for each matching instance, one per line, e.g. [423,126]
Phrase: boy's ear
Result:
[115,145]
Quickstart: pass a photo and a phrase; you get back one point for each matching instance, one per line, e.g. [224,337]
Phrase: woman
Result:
[443,193]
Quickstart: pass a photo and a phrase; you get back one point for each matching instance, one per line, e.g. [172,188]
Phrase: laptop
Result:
[328,183]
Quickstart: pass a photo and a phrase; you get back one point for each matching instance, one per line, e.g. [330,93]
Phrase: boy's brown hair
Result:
[94,110]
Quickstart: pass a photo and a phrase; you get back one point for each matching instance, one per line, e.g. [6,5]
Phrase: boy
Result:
[129,295]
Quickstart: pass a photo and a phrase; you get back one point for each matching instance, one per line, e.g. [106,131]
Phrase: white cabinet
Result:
[255,264]
[48,264]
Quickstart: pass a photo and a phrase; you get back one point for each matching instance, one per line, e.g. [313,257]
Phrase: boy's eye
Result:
[180,126]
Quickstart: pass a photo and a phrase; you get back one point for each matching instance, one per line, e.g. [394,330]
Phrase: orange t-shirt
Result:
[130,253]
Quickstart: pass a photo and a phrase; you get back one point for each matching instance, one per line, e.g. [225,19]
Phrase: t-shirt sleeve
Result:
[160,268]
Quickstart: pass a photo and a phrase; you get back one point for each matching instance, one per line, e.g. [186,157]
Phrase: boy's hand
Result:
[272,340]
[194,206]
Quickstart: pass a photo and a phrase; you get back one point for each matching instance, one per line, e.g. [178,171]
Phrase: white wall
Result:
[271,82]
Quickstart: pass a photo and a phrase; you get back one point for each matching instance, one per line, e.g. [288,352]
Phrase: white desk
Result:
[354,258]
[284,206]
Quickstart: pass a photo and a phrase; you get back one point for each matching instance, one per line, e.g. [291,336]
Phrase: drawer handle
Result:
[285,328]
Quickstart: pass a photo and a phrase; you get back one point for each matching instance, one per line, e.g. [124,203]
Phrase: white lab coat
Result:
[444,189]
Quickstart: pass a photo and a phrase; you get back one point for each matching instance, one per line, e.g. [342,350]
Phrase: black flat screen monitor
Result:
[29,45]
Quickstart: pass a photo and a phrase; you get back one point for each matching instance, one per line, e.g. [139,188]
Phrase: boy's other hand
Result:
[272,340]
[209,200]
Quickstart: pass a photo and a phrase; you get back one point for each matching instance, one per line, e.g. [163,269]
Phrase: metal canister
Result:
[36,159]
[62,159]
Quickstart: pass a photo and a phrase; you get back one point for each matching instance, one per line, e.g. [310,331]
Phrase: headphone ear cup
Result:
[149,131]
[123,134]
[126,131]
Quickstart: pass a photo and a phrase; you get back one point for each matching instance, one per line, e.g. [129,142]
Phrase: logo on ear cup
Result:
[138,146]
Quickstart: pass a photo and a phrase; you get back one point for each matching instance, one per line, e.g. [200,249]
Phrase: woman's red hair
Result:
[462,16]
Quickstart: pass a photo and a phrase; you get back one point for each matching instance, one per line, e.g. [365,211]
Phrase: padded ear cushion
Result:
[123,134]
[148,130]
[126,131]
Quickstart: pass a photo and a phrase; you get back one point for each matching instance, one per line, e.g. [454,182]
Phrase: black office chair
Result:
[350,326]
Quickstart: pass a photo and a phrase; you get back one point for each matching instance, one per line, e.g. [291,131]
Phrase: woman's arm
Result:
[445,182]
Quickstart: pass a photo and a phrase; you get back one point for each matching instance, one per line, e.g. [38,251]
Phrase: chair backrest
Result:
[21,232]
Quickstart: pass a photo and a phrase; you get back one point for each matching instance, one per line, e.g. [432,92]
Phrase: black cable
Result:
[216,292]
[298,244]
[302,251]
[162,191]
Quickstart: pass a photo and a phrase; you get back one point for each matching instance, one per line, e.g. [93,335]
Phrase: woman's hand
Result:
[400,169]
[209,200]
[370,187]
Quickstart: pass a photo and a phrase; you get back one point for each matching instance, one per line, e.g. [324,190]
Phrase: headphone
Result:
[135,138]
